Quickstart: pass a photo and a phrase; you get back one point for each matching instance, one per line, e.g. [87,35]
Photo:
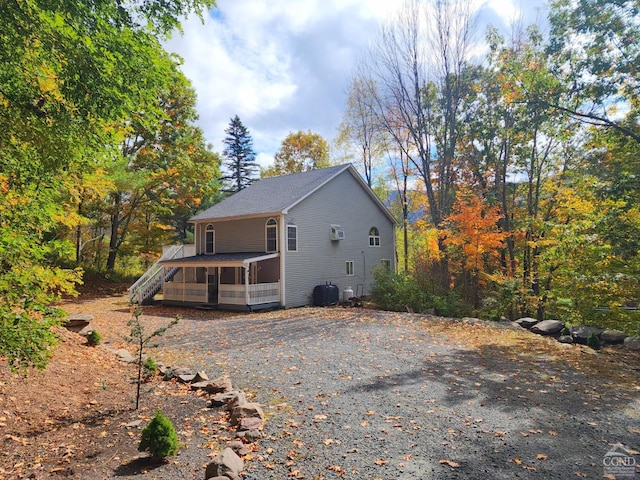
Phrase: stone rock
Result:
[526,322]
[548,327]
[76,322]
[613,336]
[134,424]
[632,343]
[201,376]
[247,410]
[124,355]
[221,399]
[219,385]
[565,339]
[236,399]
[250,435]
[181,371]
[249,423]
[238,447]
[581,333]
[185,378]
[220,477]
[199,385]
[227,463]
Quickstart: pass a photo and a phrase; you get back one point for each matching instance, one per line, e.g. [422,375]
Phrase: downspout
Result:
[283,296]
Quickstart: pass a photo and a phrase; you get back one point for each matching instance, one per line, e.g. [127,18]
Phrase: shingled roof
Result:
[273,195]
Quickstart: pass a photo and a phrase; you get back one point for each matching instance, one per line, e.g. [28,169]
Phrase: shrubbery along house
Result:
[272,243]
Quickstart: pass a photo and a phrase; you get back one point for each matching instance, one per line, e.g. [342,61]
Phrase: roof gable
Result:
[276,195]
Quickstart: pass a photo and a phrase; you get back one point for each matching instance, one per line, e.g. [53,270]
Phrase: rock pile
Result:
[247,417]
[578,334]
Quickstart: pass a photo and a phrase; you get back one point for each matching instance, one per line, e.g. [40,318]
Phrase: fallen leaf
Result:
[451,463]
[541,456]
[381,462]
[517,461]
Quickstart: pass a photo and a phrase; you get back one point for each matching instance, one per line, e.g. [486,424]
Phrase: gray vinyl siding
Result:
[246,235]
[342,202]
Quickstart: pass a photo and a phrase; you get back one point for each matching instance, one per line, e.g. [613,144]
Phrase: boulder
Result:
[247,410]
[227,463]
[124,355]
[526,322]
[632,343]
[185,378]
[581,333]
[250,435]
[199,385]
[201,376]
[235,400]
[250,423]
[238,447]
[77,322]
[221,399]
[565,339]
[548,327]
[219,385]
[613,336]
[176,372]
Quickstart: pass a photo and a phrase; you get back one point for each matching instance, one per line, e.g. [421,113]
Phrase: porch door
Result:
[212,283]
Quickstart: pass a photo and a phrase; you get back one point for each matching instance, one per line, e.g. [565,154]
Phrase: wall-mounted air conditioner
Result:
[336,232]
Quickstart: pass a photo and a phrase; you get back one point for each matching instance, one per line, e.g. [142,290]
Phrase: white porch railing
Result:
[258,293]
[151,281]
[185,292]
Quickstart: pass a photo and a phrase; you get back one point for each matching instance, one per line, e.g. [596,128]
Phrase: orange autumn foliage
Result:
[473,229]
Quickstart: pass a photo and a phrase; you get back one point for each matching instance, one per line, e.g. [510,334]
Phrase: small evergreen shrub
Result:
[159,438]
[94,338]
[593,341]
[150,368]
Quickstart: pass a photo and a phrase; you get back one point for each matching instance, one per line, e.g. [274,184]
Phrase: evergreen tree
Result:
[239,156]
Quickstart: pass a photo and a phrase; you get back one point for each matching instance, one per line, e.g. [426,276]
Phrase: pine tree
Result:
[239,156]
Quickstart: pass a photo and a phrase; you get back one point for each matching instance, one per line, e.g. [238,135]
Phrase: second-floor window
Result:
[374,237]
[272,235]
[209,240]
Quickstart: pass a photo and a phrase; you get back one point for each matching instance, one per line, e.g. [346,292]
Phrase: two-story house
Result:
[273,242]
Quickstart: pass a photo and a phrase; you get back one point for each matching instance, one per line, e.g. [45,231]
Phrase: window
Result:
[272,235]
[386,264]
[374,237]
[349,266]
[292,236]
[209,240]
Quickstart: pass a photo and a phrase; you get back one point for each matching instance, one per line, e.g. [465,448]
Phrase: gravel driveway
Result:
[358,394]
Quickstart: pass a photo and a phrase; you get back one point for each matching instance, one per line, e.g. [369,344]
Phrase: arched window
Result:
[272,235]
[374,237]
[209,240]
[292,236]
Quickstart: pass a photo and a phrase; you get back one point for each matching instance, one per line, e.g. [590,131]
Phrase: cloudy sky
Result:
[284,65]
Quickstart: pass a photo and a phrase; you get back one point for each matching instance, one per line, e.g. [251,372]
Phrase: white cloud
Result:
[281,66]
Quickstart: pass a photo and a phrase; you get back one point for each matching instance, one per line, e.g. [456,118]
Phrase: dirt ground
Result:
[72,420]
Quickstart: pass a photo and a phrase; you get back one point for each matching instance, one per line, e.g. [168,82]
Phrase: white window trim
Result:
[350,263]
[267,226]
[211,230]
[374,240]
[295,227]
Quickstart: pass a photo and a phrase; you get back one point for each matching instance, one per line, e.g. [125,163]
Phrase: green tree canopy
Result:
[299,152]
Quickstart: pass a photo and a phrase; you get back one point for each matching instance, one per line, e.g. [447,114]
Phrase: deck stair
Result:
[150,283]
